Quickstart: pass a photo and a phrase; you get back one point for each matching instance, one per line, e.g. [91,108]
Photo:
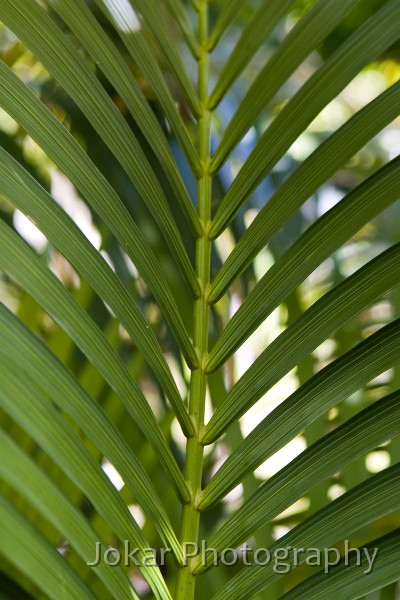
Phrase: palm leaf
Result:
[351,581]
[108,362]
[358,506]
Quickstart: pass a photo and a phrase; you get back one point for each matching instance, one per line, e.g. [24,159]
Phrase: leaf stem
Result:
[198,383]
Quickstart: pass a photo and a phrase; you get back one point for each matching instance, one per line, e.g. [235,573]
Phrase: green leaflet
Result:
[377,496]
[17,259]
[61,147]
[24,402]
[82,22]
[75,394]
[32,24]
[317,243]
[324,317]
[369,428]
[34,556]
[154,20]
[177,11]
[256,32]
[225,19]
[349,581]
[20,471]
[324,390]
[139,49]
[307,34]
[380,32]
[302,184]
[42,366]
[29,197]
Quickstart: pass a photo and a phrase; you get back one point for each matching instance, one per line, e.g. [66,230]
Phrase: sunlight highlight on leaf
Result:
[124,16]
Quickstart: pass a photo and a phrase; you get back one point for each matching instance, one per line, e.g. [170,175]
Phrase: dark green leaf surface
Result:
[40,364]
[369,428]
[372,499]
[141,53]
[316,244]
[17,259]
[23,474]
[22,400]
[323,391]
[380,32]
[61,147]
[34,27]
[258,29]
[121,355]
[34,556]
[81,21]
[348,580]
[27,195]
[323,318]
[308,33]
[302,184]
